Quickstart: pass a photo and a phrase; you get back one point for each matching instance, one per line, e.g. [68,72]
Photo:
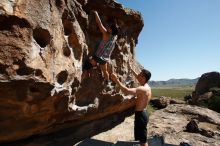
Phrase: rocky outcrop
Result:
[43,44]
[185,123]
[203,89]
[163,102]
[207,81]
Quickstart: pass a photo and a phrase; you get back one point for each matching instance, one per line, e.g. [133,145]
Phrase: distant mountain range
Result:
[174,83]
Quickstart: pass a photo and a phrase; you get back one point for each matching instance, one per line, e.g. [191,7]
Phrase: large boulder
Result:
[206,88]
[43,44]
[207,81]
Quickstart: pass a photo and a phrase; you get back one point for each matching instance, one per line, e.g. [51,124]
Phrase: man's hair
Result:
[147,74]
[114,29]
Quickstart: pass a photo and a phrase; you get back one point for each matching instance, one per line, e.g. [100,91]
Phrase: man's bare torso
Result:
[143,97]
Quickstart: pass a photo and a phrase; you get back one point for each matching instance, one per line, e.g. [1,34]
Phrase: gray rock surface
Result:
[171,123]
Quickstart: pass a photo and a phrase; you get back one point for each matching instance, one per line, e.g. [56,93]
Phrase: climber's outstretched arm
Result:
[99,22]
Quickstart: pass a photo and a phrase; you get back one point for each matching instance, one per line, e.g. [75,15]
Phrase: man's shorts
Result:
[140,126]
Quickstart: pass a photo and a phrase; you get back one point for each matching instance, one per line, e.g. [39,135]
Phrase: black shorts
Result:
[140,126]
[99,60]
[87,65]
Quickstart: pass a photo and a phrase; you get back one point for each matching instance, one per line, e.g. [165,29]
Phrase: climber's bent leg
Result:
[105,71]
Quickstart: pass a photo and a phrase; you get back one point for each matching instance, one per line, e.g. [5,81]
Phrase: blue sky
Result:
[180,38]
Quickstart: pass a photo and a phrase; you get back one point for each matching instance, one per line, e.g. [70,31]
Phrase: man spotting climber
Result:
[103,53]
[142,97]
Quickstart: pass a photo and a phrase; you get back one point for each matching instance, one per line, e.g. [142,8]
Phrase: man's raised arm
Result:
[126,90]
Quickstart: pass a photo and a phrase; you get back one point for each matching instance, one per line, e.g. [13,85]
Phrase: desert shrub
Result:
[214,103]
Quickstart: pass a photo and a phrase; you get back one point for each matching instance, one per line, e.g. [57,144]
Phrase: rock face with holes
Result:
[185,123]
[43,44]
